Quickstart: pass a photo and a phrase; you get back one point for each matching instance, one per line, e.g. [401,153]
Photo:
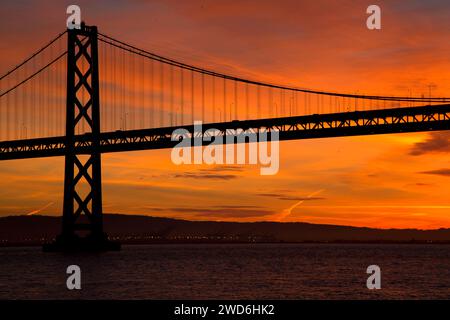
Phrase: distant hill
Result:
[33,230]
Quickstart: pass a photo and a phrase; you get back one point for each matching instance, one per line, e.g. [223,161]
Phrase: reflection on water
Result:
[219,271]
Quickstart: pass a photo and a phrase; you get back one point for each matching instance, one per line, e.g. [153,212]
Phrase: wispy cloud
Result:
[436,142]
[234,213]
[224,172]
[440,172]
[220,211]
[224,168]
[41,209]
[205,175]
[281,196]
[288,211]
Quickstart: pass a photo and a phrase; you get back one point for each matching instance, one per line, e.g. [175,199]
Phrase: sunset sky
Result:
[386,181]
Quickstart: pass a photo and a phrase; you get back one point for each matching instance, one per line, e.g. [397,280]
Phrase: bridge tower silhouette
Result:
[82,212]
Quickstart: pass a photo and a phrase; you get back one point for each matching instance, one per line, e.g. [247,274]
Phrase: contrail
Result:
[287,212]
[39,210]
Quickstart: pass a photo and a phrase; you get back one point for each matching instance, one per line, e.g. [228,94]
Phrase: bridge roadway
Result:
[397,120]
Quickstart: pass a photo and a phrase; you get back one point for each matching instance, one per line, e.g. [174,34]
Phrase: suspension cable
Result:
[132,49]
[34,74]
[33,55]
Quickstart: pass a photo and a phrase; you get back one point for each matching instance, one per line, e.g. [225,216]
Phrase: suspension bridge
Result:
[86,93]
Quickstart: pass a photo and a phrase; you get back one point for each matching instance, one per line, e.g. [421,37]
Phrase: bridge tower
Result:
[82,208]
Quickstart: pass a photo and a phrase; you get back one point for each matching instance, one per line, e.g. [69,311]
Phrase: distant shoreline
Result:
[168,242]
[35,230]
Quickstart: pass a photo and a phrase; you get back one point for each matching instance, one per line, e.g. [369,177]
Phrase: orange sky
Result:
[377,181]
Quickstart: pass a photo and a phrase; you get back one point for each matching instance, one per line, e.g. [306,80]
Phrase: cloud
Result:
[205,175]
[421,184]
[234,213]
[289,198]
[436,142]
[224,169]
[236,207]
[301,198]
[286,212]
[39,210]
[222,211]
[440,172]
[271,195]
[220,173]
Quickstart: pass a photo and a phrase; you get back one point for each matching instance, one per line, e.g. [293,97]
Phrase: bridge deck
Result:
[398,120]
